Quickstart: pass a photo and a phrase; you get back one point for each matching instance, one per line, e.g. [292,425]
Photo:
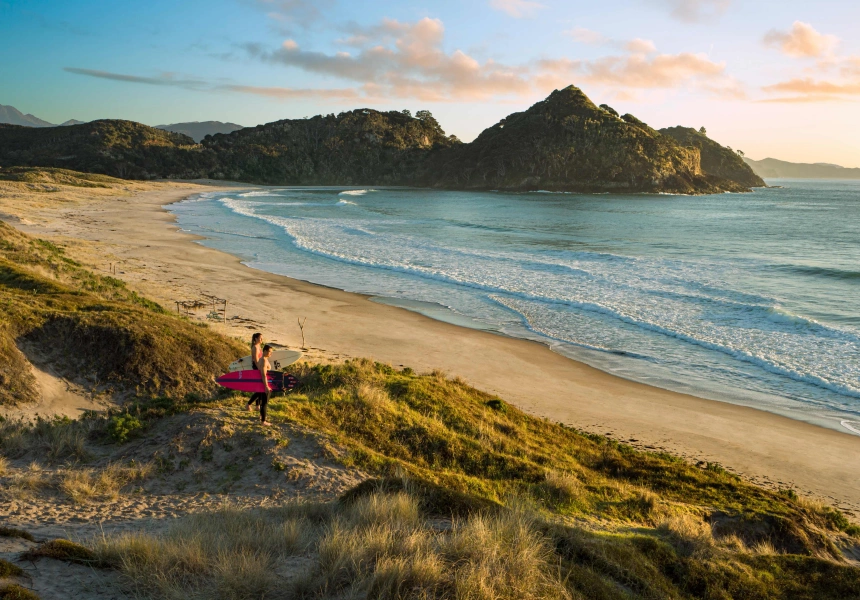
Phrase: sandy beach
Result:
[131,230]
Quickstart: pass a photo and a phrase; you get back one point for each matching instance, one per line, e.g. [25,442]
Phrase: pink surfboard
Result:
[249,381]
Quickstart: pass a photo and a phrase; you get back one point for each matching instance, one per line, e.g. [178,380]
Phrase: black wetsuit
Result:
[256,397]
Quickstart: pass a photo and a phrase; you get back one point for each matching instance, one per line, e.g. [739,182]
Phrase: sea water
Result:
[746,298]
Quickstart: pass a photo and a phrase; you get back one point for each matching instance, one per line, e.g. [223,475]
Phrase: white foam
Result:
[853,426]
[355,192]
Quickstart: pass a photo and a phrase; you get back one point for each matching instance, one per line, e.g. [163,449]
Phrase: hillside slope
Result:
[717,160]
[359,147]
[567,143]
[118,148]
[771,167]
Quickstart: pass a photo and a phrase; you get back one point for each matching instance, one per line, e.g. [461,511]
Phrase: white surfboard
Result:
[279,359]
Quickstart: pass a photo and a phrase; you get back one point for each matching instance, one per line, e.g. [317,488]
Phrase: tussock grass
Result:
[84,485]
[16,592]
[60,549]
[53,440]
[383,544]
[8,569]
[12,532]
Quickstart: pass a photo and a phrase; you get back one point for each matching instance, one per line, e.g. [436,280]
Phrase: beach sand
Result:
[133,232]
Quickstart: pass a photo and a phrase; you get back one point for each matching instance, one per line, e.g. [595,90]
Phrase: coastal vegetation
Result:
[454,493]
[717,160]
[563,143]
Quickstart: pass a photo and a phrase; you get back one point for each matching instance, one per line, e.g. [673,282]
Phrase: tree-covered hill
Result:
[359,147]
[111,147]
[563,143]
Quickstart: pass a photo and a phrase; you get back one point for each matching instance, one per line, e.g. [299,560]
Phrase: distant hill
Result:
[563,143]
[72,122]
[118,148]
[197,130]
[567,143]
[773,168]
[717,160]
[13,116]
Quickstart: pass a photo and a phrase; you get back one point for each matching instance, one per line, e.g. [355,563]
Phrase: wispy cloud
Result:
[695,11]
[802,41]
[202,85]
[518,9]
[290,16]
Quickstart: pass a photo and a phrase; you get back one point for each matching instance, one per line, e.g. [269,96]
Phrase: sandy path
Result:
[166,265]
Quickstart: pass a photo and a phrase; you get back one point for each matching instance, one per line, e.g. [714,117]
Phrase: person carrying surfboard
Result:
[264,370]
[256,354]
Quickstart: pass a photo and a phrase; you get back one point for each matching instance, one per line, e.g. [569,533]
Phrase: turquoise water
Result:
[745,298]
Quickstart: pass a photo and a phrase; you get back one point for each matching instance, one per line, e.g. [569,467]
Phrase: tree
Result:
[407,112]
[703,131]
[741,153]
[426,117]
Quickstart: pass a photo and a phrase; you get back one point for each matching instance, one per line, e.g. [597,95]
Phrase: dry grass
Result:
[84,485]
[53,440]
[562,486]
[4,465]
[379,546]
[691,535]
[16,592]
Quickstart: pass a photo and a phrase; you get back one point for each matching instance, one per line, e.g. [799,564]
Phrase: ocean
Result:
[752,299]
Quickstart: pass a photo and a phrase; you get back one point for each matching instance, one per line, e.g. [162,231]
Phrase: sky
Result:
[774,79]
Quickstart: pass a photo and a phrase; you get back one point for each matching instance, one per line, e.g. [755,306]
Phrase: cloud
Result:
[695,11]
[660,71]
[201,85]
[810,90]
[803,41]
[394,59]
[290,15]
[165,79]
[518,9]
[587,36]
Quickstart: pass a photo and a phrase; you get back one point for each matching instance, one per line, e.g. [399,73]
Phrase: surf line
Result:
[848,425]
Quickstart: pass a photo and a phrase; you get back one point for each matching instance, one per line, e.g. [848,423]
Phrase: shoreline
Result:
[764,447]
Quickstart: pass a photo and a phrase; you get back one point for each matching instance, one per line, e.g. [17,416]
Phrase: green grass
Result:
[60,549]
[95,327]
[445,432]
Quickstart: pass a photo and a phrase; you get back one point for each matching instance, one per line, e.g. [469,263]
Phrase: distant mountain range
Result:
[776,169]
[563,143]
[13,116]
[197,130]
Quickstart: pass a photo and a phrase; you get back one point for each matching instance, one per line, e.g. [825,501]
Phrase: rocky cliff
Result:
[717,160]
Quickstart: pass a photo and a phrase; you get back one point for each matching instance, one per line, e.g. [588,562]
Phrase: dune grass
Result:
[16,592]
[383,544]
[443,431]
[93,328]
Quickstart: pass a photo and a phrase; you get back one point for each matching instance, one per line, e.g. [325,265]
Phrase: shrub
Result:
[122,428]
[7,569]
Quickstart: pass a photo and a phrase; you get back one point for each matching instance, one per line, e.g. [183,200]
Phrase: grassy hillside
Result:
[92,328]
[717,160]
[468,496]
[111,147]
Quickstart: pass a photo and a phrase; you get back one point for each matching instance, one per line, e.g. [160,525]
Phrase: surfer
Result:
[256,354]
[264,370]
